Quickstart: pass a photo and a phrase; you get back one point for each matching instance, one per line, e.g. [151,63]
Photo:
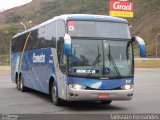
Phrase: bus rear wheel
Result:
[107,102]
[20,85]
[57,101]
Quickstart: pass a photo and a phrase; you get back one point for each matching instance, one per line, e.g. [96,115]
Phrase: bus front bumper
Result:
[98,95]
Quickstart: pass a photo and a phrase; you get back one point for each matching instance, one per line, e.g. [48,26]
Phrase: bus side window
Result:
[60,43]
[61,56]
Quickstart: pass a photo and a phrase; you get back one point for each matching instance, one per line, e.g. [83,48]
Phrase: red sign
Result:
[71,25]
[121,8]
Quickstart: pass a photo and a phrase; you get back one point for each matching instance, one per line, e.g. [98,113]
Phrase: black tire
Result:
[21,86]
[17,86]
[18,83]
[57,101]
[107,102]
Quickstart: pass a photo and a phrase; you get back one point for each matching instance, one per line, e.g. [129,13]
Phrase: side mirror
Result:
[142,45]
[67,45]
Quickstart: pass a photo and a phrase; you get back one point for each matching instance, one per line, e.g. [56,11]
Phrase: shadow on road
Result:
[91,106]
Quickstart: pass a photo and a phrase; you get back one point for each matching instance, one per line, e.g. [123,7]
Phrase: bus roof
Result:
[88,17]
[80,17]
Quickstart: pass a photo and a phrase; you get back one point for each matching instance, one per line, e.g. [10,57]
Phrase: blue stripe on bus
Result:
[36,75]
[142,50]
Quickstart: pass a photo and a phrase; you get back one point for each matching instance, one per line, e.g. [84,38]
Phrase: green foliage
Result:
[12,31]
[49,9]
[13,18]
[4,47]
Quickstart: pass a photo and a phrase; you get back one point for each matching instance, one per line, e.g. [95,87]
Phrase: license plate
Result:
[103,96]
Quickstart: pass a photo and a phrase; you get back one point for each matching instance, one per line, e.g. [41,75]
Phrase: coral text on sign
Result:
[121,9]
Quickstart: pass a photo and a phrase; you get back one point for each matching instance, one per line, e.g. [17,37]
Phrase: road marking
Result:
[5,70]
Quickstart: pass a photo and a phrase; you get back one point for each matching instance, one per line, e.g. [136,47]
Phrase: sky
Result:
[7,4]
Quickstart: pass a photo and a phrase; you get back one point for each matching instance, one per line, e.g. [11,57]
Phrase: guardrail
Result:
[150,59]
[147,62]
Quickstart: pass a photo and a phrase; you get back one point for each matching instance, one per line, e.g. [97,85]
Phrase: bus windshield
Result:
[101,58]
[100,49]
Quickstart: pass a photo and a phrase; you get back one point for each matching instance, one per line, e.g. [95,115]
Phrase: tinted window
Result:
[18,43]
[98,29]
[43,37]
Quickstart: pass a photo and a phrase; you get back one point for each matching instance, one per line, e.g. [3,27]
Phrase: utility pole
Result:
[25,28]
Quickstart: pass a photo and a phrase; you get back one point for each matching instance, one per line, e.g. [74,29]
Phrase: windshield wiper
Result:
[112,62]
[97,60]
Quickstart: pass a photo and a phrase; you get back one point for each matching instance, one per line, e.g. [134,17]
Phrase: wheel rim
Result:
[54,98]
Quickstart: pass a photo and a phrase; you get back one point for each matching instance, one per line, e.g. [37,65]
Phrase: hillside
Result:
[145,22]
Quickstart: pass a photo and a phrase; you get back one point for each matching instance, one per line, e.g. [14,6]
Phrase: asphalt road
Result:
[146,99]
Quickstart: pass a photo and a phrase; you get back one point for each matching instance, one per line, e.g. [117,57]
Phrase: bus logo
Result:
[39,58]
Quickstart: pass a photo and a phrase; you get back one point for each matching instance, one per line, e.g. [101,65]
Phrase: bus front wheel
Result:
[57,101]
[107,102]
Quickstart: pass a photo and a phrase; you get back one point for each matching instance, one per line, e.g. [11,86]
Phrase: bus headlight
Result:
[77,86]
[127,87]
